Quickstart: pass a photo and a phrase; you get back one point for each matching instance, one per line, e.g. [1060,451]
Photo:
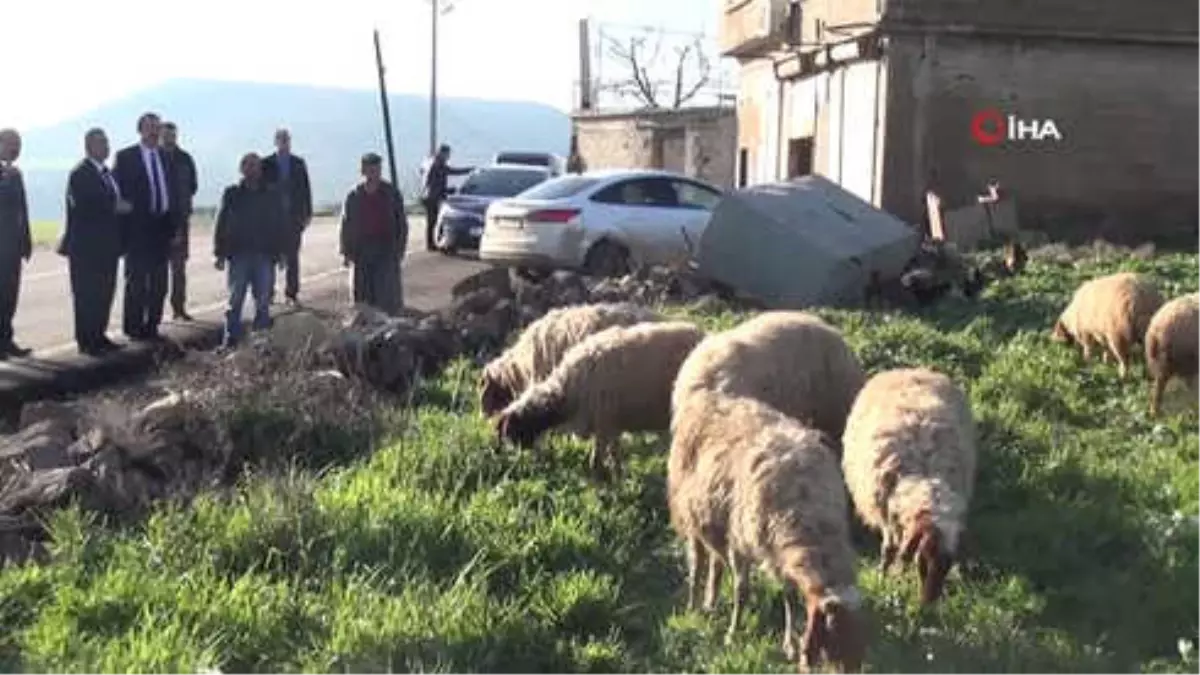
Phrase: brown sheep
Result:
[748,484]
[1111,312]
[909,462]
[1171,349]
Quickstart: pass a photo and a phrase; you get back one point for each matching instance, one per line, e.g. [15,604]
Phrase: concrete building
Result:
[696,142]
[881,96]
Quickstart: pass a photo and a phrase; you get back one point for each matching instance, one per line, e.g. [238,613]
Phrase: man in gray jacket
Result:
[16,243]
[374,234]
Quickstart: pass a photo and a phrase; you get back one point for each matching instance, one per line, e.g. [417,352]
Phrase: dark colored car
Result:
[460,222]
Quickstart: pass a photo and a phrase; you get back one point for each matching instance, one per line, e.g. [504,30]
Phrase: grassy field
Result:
[45,232]
[442,552]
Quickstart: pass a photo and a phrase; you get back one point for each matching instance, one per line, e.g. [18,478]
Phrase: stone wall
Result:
[699,142]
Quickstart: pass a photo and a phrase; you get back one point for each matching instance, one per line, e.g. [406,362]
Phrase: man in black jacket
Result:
[289,174]
[250,237]
[184,169]
[92,243]
[16,242]
[145,181]
[434,189]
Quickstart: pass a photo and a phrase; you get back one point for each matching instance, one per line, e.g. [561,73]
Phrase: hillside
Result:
[331,128]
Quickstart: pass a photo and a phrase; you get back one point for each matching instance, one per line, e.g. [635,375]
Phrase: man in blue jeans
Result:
[248,241]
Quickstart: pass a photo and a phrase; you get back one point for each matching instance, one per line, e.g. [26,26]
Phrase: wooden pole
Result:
[387,117]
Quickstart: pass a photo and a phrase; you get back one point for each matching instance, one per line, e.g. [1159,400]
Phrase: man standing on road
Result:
[184,170]
[92,243]
[16,242]
[575,163]
[289,174]
[144,180]
[248,240]
[374,235]
[434,189]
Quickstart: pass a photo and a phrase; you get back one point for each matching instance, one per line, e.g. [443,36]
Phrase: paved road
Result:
[44,315]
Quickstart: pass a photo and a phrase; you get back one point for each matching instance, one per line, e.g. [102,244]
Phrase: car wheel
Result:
[446,242]
[607,259]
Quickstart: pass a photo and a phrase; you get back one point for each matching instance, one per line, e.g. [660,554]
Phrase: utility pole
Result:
[387,117]
[585,66]
[433,60]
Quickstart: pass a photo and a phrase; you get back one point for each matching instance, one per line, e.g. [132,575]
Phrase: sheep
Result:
[542,345]
[908,457]
[745,484]
[1112,312]
[1171,349]
[793,361]
[616,380]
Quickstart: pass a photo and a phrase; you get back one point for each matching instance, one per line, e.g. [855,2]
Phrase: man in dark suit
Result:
[288,174]
[92,243]
[183,170]
[16,243]
[144,180]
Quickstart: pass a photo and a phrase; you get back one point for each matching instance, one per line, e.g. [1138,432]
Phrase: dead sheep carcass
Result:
[1110,312]
[542,345]
[747,484]
[614,381]
[909,463]
[1171,349]
[793,361]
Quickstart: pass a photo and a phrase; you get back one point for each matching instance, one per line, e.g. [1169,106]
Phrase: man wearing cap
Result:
[374,238]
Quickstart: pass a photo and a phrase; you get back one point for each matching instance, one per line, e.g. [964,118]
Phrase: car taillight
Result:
[552,215]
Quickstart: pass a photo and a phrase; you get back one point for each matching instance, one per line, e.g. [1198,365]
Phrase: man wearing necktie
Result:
[92,243]
[145,180]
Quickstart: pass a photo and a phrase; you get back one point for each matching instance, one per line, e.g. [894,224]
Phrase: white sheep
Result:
[614,381]
[747,484]
[542,345]
[1171,346]
[793,361]
[909,462]
[1111,312]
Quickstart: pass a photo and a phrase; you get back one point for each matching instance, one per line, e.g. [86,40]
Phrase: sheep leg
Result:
[740,568]
[887,551]
[1156,393]
[1085,343]
[1120,350]
[716,569]
[697,555]
[791,598]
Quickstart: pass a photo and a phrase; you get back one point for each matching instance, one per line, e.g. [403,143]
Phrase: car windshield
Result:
[520,158]
[505,183]
[558,188]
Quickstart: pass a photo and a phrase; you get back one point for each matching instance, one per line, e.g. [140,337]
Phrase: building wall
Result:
[1127,168]
[1157,17]
[695,142]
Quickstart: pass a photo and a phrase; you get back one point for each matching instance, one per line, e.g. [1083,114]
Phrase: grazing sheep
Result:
[793,361]
[1171,349]
[1111,312]
[614,381]
[909,462]
[747,484]
[542,345]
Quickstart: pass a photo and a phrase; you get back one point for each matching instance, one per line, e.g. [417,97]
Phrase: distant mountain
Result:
[331,128]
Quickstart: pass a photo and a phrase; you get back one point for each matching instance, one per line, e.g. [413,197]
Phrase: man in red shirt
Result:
[374,234]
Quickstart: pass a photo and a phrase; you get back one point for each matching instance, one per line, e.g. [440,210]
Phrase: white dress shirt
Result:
[152,160]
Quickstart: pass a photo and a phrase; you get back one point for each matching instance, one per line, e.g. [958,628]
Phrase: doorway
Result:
[800,157]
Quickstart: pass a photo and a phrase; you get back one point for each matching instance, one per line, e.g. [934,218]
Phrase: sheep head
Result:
[494,396]
[1015,257]
[834,634]
[925,543]
[523,426]
[1060,334]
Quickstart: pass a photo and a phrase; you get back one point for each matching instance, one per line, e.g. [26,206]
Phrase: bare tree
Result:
[640,57]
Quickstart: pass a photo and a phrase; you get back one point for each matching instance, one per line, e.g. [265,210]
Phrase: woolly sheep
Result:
[542,345]
[745,484]
[616,380]
[793,361]
[909,462]
[1111,312]
[1171,349]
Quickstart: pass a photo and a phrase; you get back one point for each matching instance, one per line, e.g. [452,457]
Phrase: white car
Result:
[600,222]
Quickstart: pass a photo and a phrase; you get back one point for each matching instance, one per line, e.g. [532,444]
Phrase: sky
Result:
[65,57]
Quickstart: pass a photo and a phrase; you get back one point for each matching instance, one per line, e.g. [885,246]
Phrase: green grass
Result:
[45,232]
[443,552]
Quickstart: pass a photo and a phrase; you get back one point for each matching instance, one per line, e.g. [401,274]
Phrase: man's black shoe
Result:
[13,349]
[182,315]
